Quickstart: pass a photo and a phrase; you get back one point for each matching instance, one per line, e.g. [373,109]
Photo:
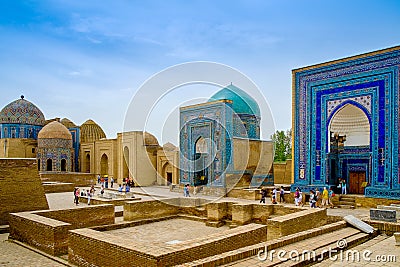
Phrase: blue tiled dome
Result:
[22,111]
[242,102]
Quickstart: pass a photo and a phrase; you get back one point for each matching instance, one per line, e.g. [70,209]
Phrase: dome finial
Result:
[22,96]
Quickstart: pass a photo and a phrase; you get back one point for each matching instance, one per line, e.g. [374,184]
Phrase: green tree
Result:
[282,145]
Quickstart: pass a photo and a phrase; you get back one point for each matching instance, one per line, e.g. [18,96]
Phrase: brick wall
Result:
[20,187]
[48,230]
[283,172]
[58,187]
[148,209]
[162,208]
[76,178]
[262,212]
[369,202]
[242,214]
[87,247]
[296,222]
[387,228]
[43,233]
[92,248]
[81,217]
[251,194]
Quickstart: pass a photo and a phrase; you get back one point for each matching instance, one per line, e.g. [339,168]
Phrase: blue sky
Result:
[86,59]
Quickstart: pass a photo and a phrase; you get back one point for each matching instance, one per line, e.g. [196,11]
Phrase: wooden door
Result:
[355,182]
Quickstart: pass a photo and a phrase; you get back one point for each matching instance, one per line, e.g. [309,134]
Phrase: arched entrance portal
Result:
[49,165]
[87,163]
[63,165]
[104,165]
[167,172]
[349,148]
[201,155]
[126,162]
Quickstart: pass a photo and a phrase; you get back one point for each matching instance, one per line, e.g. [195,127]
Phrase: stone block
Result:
[150,209]
[395,208]
[20,188]
[242,213]
[397,238]
[383,215]
[366,228]
[217,211]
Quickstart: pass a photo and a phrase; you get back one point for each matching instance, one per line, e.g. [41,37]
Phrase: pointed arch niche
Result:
[126,162]
[104,165]
[352,122]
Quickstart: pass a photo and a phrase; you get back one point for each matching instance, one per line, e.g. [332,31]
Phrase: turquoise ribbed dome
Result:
[242,102]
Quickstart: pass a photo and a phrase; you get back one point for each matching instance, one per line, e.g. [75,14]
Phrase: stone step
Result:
[348,199]
[346,203]
[349,207]
[251,251]
[316,244]
[4,229]
[323,252]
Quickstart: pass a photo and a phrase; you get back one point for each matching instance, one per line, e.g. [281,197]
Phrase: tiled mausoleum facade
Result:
[346,124]
[220,142]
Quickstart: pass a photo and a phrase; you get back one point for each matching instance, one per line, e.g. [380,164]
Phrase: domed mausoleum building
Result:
[21,119]
[20,123]
[55,151]
[220,143]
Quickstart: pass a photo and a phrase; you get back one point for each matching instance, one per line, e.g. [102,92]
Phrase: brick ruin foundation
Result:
[83,232]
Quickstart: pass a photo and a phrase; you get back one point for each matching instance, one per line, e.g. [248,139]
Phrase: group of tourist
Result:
[316,199]
[103,181]
[128,181]
[274,195]
[89,193]
[124,188]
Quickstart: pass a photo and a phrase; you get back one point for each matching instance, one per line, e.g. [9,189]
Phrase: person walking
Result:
[282,195]
[186,191]
[112,182]
[274,196]
[312,199]
[263,195]
[76,188]
[325,197]
[317,197]
[331,194]
[102,190]
[77,193]
[89,196]
[344,187]
[296,197]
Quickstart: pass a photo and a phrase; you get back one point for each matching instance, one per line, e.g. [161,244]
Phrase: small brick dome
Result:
[54,130]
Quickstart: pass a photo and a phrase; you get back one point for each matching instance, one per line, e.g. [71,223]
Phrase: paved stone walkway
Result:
[380,251]
[14,255]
